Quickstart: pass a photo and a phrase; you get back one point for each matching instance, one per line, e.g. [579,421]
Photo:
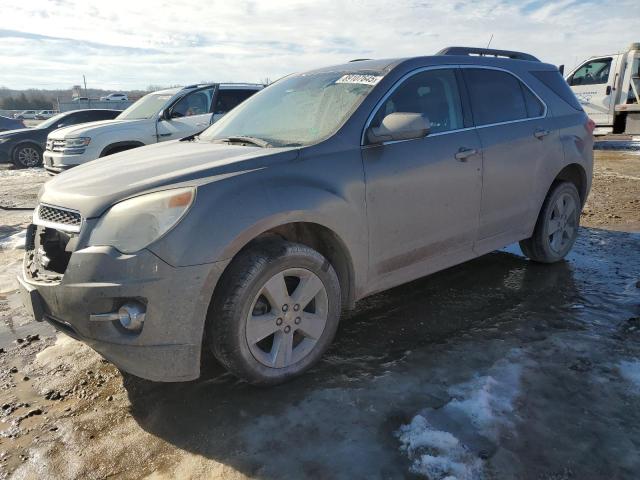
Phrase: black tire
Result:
[27,155]
[540,246]
[226,331]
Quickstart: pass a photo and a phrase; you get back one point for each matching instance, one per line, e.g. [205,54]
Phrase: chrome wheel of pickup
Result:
[287,318]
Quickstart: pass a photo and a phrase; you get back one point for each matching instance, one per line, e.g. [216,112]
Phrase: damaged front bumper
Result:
[71,289]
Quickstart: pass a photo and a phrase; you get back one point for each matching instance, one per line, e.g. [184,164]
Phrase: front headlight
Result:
[77,142]
[133,224]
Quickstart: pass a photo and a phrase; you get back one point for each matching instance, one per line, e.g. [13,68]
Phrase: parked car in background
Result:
[115,97]
[24,147]
[156,117]
[327,186]
[26,115]
[44,114]
[7,123]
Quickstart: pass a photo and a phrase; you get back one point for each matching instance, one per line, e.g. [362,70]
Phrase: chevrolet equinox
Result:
[325,187]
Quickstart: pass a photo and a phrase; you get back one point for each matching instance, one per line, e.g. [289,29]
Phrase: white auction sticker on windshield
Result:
[359,78]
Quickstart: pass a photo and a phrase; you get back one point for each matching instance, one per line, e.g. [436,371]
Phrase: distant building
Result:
[76,91]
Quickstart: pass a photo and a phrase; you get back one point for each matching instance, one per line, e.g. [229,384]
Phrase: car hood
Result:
[91,128]
[20,132]
[93,187]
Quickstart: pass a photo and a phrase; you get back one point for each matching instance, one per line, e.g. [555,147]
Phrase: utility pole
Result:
[84,79]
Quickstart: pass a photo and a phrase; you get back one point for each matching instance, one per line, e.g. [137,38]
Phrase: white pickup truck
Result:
[156,117]
[608,87]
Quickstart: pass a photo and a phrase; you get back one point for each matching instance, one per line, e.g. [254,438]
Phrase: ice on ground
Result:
[13,242]
[630,371]
[437,454]
[487,402]
[482,408]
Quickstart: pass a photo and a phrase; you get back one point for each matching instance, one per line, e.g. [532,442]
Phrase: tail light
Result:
[590,126]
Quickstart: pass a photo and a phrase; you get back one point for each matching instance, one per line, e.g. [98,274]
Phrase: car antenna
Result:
[489,41]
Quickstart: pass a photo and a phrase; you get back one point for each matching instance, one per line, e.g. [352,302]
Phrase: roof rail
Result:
[487,52]
[359,60]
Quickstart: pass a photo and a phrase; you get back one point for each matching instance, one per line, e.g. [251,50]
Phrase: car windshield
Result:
[296,111]
[147,107]
[52,120]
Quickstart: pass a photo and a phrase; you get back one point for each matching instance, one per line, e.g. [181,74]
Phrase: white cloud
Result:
[124,44]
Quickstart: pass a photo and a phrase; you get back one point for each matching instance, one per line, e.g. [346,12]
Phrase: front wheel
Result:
[276,312]
[557,226]
[27,156]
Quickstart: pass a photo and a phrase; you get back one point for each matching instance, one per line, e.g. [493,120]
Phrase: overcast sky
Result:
[133,44]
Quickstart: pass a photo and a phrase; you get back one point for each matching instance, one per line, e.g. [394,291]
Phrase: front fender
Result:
[24,142]
[142,134]
[228,214]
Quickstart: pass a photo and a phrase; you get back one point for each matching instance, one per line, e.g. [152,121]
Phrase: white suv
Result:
[26,115]
[115,97]
[165,115]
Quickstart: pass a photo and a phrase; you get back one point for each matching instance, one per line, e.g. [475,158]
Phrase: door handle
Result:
[164,134]
[463,153]
[541,133]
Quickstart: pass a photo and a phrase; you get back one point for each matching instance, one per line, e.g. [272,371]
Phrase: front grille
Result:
[59,216]
[55,145]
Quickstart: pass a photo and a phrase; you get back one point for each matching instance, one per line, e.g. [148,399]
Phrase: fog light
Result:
[131,316]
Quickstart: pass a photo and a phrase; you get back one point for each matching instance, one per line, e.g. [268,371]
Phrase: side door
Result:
[422,195]
[517,141]
[191,114]
[227,99]
[592,83]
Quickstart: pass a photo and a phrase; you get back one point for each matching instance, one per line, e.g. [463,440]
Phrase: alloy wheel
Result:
[29,156]
[287,318]
[562,223]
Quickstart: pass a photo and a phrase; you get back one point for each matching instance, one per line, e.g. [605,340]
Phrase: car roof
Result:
[92,110]
[456,57]
[175,90]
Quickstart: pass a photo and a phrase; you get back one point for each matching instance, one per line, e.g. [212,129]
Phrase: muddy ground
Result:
[498,368]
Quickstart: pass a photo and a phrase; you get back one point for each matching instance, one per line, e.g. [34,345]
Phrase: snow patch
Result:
[437,454]
[480,410]
[630,371]
[13,242]
[27,172]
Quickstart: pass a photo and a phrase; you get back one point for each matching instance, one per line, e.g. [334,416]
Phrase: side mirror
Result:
[165,114]
[399,126]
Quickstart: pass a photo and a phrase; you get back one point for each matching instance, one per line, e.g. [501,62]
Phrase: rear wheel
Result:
[276,313]
[557,226]
[27,156]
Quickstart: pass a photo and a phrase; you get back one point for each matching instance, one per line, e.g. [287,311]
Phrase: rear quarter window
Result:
[554,81]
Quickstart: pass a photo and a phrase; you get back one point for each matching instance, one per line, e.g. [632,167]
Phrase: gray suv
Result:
[251,238]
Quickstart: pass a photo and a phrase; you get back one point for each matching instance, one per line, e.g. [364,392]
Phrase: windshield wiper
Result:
[242,139]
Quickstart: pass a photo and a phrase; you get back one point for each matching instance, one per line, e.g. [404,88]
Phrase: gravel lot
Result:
[497,368]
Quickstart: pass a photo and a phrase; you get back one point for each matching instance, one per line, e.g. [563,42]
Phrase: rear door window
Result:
[228,99]
[498,97]
[433,94]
